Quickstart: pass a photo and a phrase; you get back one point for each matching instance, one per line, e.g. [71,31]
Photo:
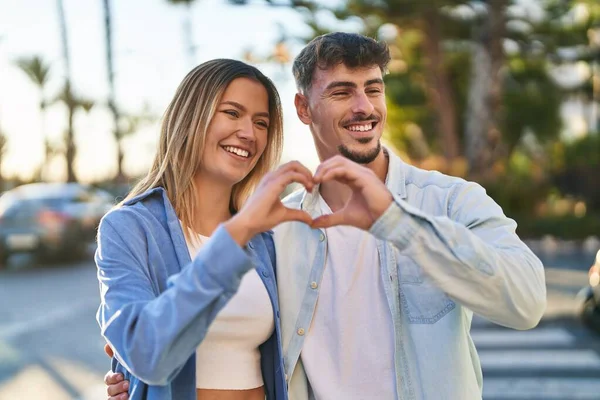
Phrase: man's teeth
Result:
[235,150]
[360,128]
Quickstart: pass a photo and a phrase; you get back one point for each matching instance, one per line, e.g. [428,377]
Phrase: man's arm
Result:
[473,254]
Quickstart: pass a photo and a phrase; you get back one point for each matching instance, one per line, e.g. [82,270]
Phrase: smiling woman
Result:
[189,303]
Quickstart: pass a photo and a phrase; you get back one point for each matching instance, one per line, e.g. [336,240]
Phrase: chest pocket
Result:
[421,300]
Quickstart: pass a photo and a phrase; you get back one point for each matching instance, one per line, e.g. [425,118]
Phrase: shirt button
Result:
[314,285]
[301,331]
[322,237]
[265,274]
[250,245]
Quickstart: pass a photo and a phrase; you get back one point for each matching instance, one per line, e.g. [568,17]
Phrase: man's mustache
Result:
[361,118]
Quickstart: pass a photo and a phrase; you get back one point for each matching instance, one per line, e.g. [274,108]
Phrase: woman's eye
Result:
[233,113]
[262,124]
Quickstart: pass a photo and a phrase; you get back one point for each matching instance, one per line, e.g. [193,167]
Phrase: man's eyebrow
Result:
[347,84]
[376,81]
[337,84]
[243,109]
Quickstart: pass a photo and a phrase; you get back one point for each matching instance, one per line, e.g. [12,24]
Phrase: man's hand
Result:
[370,197]
[116,387]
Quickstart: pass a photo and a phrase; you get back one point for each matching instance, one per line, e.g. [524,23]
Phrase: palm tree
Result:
[188,33]
[73,104]
[38,71]
[112,102]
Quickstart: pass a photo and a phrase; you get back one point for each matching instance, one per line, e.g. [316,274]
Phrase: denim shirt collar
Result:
[395,181]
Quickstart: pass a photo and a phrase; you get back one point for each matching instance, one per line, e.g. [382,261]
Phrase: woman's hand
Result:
[264,209]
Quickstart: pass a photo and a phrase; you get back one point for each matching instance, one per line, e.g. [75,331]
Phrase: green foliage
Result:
[567,227]
[531,102]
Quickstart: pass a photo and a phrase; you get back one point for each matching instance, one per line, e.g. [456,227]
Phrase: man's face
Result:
[346,111]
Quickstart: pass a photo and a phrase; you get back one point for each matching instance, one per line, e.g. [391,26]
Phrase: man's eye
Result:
[340,94]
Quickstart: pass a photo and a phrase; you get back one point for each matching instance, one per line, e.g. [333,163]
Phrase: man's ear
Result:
[301,103]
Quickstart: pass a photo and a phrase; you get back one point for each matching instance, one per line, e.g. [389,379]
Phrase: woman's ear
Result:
[301,103]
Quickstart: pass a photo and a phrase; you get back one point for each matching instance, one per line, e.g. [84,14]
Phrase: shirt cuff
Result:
[396,224]
[223,258]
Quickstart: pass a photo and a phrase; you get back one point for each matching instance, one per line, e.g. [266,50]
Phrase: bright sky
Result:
[150,62]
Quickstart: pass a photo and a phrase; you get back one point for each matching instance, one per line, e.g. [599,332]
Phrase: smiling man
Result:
[377,296]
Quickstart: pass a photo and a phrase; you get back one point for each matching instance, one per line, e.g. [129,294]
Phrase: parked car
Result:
[590,311]
[51,220]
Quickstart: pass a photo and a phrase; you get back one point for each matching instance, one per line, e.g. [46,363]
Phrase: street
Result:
[51,349]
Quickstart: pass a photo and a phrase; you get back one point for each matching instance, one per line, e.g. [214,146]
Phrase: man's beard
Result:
[363,157]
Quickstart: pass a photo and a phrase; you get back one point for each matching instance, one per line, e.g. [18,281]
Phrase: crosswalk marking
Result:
[535,337]
[542,388]
[545,363]
[538,359]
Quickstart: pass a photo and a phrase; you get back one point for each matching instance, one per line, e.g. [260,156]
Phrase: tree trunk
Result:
[70,142]
[440,93]
[112,101]
[69,136]
[483,136]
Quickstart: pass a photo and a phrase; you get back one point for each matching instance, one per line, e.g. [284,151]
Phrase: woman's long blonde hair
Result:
[183,134]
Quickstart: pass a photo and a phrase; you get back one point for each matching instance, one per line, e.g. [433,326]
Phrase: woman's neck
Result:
[212,208]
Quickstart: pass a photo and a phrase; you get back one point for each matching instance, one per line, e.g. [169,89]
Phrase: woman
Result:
[185,263]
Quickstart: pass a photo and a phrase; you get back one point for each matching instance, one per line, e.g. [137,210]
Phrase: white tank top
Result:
[228,358]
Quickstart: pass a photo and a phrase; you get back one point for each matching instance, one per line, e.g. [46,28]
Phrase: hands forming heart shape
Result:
[368,200]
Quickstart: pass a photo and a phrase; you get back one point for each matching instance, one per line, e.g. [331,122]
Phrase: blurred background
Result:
[503,92]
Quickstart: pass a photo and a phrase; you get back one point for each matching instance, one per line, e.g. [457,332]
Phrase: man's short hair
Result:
[329,50]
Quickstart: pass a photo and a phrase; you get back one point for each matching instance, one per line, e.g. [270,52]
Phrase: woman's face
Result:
[237,134]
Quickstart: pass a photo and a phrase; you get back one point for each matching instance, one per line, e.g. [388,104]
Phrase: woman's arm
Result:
[153,334]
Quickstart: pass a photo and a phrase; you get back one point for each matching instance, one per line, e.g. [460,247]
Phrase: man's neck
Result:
[212,208]
[337,194]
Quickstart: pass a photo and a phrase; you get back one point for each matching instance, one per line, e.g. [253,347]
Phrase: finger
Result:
[333,162]
[340,174]
[118,389]
[295,166]
[284,180]
[112,377]
[296,215]
[329,220]
[123,396]
[352,169]
[108,350]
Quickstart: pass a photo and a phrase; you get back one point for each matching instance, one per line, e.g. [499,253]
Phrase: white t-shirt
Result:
[228,357]
[348,352]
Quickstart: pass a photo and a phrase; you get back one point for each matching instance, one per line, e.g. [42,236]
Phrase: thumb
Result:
[328,220]
[297,215]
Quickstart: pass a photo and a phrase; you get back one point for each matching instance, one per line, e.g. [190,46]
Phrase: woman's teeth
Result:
[360,128]
[235,150]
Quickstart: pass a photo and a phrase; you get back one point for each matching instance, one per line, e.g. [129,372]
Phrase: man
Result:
[378,295]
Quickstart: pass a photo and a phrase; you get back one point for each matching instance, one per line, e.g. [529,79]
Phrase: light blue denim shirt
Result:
[446,251]
[157,304]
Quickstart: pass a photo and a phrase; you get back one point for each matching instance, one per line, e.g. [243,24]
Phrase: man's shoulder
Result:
[422,178]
